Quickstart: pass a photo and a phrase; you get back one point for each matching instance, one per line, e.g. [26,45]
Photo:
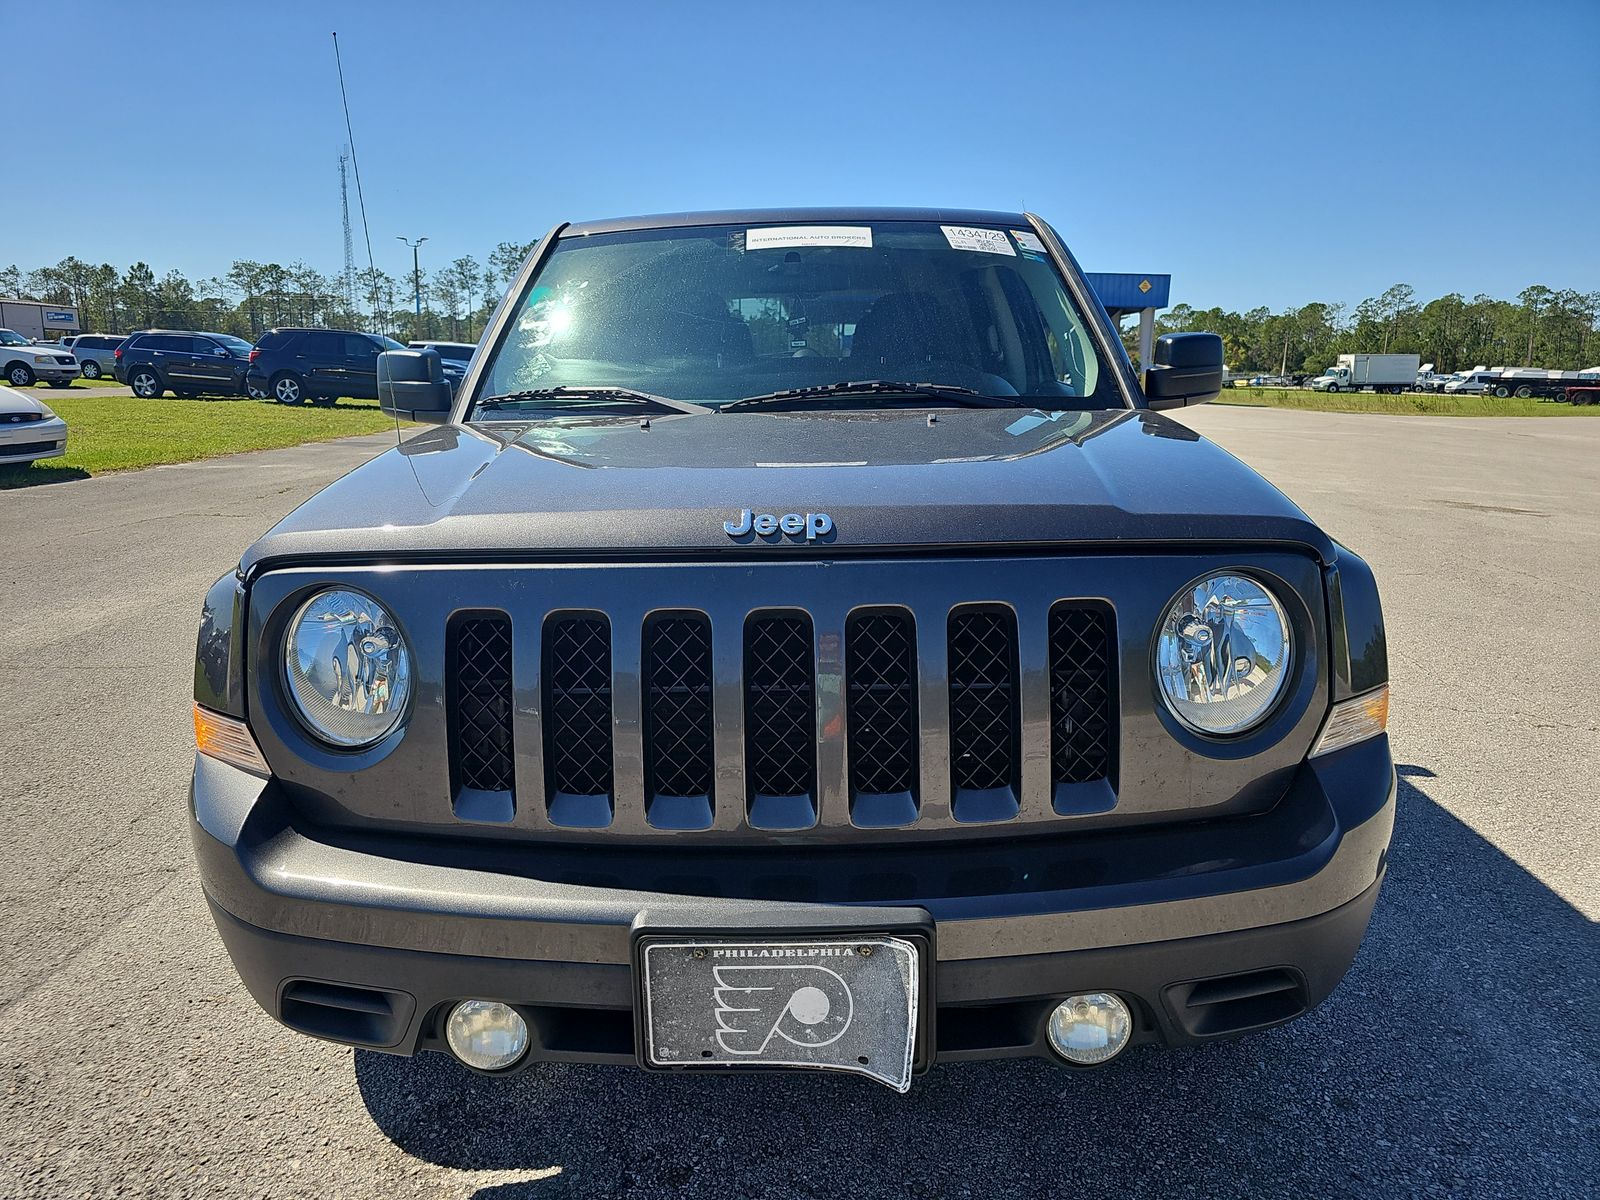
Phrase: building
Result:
[1125,295]
[36,319]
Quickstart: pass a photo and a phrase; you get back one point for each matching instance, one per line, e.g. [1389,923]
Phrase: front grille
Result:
[9,448]
[881,707]
[481,705]
[678,754]
[577,727]
[753,723]
[984,717]
[780,722]
[23,418]
[1081,689]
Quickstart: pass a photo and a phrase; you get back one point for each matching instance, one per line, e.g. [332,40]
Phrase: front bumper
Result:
[367,940]
[54,372]
[33,440]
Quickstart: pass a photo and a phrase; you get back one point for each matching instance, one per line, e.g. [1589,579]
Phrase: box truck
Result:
[1394,373]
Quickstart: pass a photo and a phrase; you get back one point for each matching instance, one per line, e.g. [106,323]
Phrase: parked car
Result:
[185,362]
[96,352]
[687,702]
[456,356]
[294,365]
[29,430]
[24,362]
[1472,383]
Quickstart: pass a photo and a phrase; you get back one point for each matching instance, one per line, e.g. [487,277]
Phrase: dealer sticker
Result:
[789,236]
[1028,242]
[985,241]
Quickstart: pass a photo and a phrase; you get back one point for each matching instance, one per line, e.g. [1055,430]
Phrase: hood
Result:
[13,401]
[888,480]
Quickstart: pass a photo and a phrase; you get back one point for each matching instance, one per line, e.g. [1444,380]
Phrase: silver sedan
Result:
[29,429]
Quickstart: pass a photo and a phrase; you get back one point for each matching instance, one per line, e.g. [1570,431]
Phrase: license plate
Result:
[830,1004]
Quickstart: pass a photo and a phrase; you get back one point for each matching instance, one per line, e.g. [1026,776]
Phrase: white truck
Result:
[1381,372]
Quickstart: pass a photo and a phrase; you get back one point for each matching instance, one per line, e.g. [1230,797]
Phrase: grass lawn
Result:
[1409,404]
[118,433]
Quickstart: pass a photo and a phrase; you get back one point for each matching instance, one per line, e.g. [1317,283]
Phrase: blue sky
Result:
[1262,153]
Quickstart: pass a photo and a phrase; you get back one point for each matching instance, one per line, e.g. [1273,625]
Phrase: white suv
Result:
[23,362]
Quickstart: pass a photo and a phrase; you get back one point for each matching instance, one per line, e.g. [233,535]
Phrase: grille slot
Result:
[984,718]
[577,724]
[677,722]
[1082,726]
[780,722]
[481,713]
[881,717]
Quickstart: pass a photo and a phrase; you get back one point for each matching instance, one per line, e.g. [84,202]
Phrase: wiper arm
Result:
[571,396]
[963,397]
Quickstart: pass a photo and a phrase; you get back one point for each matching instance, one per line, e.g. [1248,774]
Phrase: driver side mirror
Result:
[222,352]
[412,386]
[1187,370]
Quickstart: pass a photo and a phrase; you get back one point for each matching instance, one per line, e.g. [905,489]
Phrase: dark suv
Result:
[183,362]
[290,365]
[801,643]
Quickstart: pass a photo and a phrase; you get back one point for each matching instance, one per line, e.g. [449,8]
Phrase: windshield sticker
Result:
[985,241]
[1028,242]
[808,235]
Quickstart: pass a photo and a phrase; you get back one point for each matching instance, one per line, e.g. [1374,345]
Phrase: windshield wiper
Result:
[963,397]
[570,397]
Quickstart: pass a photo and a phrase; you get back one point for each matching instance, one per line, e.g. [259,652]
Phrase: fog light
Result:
[486,1034]
[1090,1029]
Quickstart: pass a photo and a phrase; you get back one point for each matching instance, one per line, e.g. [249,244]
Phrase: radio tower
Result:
[349,243]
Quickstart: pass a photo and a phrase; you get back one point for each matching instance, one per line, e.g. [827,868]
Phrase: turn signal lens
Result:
[227,740]
[1352,721]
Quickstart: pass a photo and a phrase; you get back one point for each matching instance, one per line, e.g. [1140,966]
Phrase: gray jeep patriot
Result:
[800,644]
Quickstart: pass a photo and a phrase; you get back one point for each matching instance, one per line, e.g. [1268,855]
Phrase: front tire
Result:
[1333,387]
[91,370]
[288,388]
[146,384]
[20,375]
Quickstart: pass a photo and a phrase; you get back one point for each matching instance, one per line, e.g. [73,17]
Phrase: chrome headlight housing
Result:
[1223,654]
[347,667]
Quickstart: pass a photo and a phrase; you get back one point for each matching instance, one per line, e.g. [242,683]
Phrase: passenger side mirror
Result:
[222,352]
[412,386]
[1187,370]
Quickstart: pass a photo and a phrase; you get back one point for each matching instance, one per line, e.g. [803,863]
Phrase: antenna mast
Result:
[349,242]
[361,199]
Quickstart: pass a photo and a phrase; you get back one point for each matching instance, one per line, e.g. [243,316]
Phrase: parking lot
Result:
[1460,1056]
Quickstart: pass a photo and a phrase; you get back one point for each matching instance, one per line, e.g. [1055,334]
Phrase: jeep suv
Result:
[187,364]
[802,643]
[293,365]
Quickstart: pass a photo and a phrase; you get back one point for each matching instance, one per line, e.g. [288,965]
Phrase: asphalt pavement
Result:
[1460,1056]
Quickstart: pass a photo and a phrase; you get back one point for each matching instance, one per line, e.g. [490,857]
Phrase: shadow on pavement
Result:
[37,474]
[1458,1056]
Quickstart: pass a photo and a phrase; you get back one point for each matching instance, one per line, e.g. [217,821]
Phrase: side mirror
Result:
[1187,370]
[412,386]
[223,352]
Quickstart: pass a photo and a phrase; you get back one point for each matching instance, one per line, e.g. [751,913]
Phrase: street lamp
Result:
[416,277]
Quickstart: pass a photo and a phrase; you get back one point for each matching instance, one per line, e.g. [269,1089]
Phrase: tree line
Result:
[1543,327]
[251,297]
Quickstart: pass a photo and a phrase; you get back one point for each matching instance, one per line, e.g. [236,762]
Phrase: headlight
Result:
[1222,655]
[348,667]
[44,358]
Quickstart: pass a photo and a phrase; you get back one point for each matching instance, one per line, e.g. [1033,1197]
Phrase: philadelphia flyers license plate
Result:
[830,1004]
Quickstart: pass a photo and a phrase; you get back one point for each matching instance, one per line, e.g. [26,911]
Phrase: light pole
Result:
[416,279]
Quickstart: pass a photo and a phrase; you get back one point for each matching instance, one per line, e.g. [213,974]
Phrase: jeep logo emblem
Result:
[812,525]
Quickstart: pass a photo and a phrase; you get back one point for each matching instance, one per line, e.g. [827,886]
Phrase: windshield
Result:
[233,343]
[388,343]
[8,338]
[712,314]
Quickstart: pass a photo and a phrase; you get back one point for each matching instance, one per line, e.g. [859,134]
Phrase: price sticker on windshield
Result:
[985,241]
[791,236]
